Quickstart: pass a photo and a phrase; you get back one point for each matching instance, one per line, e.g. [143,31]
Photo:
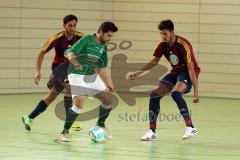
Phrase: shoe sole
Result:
[148,140]
[76,128]
[28,128]
[190,136]
[60,140]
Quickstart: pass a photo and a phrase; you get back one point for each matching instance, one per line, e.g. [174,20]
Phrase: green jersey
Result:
[90,54]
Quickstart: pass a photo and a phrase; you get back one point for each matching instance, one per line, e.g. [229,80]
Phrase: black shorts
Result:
[58,77]
[178,77]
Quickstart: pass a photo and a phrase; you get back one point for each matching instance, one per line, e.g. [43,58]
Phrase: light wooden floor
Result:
[217,120]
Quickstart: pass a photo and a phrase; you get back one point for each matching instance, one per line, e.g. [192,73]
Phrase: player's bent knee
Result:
[165,86]
[180,87]
[107,106]
[68,90]
[106,100]
[78,101]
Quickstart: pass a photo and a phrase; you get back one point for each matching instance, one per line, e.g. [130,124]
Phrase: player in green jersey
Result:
[88,77]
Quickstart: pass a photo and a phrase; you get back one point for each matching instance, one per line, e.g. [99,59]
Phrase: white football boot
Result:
[149,136]
[189,132]
[64,137]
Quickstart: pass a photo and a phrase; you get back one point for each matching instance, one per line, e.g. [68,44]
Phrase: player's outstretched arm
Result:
[153,62]
[194,80]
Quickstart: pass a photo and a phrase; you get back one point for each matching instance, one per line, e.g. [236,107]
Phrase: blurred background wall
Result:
[212,26]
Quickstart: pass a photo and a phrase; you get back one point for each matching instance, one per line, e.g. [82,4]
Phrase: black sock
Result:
[41,107]
[65,131]
[154,109]
[103,114]
[182,106]
[67,103]
[70,118]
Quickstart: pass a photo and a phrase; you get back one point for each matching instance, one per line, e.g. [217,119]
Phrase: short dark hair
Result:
[166,24]
[108,26]
[69,18]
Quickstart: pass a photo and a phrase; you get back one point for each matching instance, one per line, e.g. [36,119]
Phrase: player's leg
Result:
[71,116]
[183,86]
[104,110]
[60,78]
[76,81]
[163,89]
[67,98]
[55,87]
[68,105]
[40,108]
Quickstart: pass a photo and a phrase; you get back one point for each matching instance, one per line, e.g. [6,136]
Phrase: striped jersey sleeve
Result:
[51,42]
[187,49]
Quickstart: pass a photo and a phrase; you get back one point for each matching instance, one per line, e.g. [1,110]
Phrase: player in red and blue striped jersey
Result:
[58,80]
[184,74]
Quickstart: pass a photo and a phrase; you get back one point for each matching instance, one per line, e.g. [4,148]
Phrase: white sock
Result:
[75,109]
[106,106]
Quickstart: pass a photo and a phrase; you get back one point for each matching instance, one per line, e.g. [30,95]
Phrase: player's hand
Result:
[78,67]
[196,98]
[111,87]
[133,75]
[37,77]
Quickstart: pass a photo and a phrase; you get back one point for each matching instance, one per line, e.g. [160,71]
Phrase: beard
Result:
[102,41]
[168,40]
[70,32]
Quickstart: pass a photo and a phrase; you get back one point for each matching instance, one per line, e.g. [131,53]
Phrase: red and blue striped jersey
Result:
[179,55]
[60,42]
